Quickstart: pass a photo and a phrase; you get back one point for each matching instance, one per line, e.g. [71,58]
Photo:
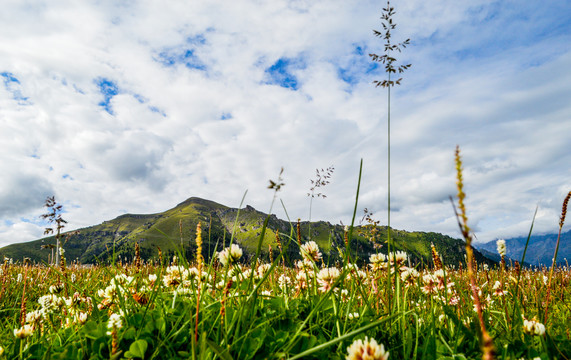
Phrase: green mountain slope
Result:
[175,229]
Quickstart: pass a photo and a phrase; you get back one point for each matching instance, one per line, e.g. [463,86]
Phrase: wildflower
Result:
[19,278]
[498,289]
[352,316]
[310,251]
[114,322]
[1,351]
[408,276]
[73,277]
[261,270]
[326,277]
[55,289]
[34,317]
[61,251]
[430,283]
[301,280]
[378,262]
[230,255]
[398,257]
[284,282]
[367,350]
[304,264]
[82,317]
[23,332]
[533,327]
[501,247]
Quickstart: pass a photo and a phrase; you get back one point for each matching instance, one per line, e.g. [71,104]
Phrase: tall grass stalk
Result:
[486,342]
[388,60]
[554,262]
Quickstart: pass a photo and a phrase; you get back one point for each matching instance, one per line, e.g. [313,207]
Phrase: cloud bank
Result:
[134,107]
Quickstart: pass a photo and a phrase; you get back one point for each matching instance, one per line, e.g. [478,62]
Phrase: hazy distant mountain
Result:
[175,229]
[540,250]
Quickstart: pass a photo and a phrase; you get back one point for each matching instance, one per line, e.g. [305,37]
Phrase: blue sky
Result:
[134,107]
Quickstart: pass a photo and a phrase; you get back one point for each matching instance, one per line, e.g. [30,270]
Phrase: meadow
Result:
[227,308]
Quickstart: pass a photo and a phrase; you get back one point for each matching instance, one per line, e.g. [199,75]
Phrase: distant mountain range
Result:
[540,250]
[175,229]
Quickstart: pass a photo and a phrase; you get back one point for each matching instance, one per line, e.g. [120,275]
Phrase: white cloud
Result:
[194,111]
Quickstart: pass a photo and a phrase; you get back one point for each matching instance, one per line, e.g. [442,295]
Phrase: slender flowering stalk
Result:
[487,343]
[199,260]
[501,247]
[561,222]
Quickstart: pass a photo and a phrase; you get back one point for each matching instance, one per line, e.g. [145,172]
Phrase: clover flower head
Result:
[230,255]
[367,350]
[310,251]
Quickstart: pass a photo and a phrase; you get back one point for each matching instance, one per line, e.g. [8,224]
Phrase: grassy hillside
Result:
[175,229]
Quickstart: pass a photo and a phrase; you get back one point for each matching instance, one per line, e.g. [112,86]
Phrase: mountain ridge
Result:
[540,250]
[174,231]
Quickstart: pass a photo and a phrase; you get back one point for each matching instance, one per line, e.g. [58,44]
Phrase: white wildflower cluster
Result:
[498,289]
[285,283]
[70,310]
[310,251]
[119,287]
[24,332]
[230,255]
[302,279]
[533,327]
[327,277]
[409,276]
[501,247]
[353,315]
[115,322]
[366,349]
[304,264]
[381,262]
[434,284]
[378,262]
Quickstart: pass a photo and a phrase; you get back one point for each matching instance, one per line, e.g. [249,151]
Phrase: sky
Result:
[118,107]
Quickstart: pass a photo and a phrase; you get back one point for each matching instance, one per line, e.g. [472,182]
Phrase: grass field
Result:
[221,309]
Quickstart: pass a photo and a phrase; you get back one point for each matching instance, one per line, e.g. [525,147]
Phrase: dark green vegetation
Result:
[175,228]
[539,251]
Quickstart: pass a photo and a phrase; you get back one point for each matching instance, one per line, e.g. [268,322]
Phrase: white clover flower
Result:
[230,255]
[284,282]
[261,270]
[33,316]
[24,332]
[326,277]
[310,251]
[501,247]
[352,316]
[304,264]
[378,262]
[114,322]
[82,317]
[368,349]
[409,276]
[533,327]
[398,257]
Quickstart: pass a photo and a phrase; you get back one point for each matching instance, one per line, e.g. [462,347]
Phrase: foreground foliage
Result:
[227,310]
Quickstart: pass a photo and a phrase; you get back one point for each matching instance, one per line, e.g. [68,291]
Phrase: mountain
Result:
[540,250]
[175,229]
